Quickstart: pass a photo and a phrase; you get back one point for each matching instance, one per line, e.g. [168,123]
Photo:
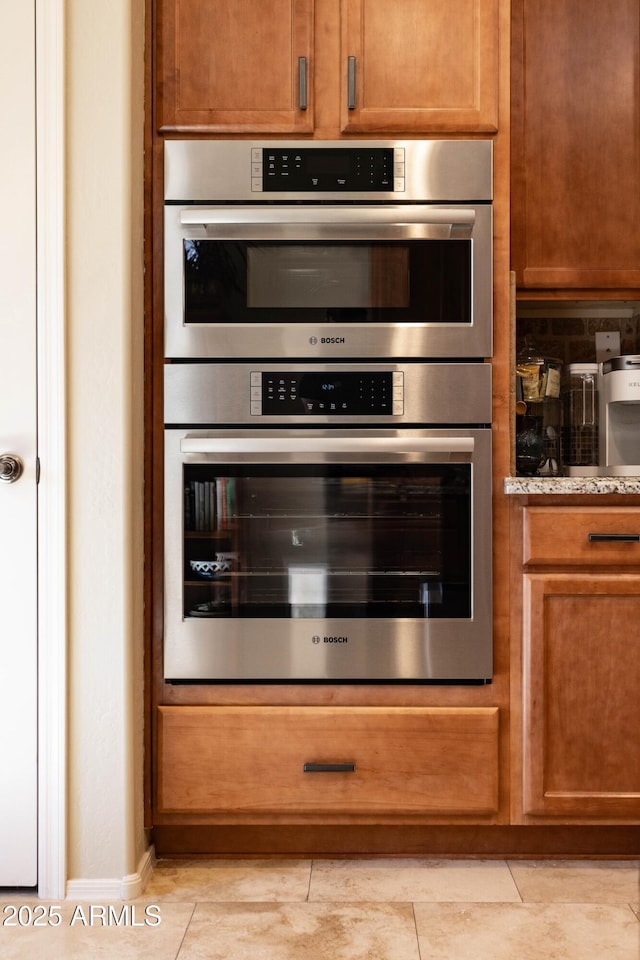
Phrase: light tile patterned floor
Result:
[408,909]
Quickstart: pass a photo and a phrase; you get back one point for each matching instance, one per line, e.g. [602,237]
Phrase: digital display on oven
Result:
[331,394]
[333,169]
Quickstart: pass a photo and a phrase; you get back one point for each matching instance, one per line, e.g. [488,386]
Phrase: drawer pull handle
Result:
[329,768]
[614,537]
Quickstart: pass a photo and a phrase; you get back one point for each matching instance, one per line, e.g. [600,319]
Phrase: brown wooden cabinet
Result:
[234,67]
[576,144]
[420,66]
[581,665]
[225,763]
[297,762]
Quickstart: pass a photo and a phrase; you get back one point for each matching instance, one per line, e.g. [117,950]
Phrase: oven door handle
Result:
[439,222]
[447,448]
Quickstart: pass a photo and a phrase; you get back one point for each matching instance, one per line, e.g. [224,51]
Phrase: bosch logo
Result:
[314,340]
[336,639]
[315,638]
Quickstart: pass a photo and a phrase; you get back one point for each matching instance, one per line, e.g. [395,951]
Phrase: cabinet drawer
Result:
[360,760]
[553,535]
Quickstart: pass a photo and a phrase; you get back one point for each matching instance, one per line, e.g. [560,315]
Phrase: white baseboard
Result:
[127,888]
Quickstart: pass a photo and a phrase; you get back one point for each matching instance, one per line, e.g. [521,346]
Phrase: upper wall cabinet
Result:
[234,67]
[420,66]
[576,144]
[257,66]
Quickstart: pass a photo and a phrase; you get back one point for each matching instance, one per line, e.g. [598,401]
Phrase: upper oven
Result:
[328,250]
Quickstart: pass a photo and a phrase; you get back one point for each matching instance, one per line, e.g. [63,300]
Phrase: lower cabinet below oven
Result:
[322,761]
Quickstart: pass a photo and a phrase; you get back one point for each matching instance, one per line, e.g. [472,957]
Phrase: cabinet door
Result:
[235,67]
[419,66]
[581,695]
[576,143]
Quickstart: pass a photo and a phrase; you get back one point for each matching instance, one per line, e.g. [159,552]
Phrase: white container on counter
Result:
[580,453]
[620,417]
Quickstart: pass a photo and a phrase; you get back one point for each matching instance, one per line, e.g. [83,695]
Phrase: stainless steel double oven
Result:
[328,412]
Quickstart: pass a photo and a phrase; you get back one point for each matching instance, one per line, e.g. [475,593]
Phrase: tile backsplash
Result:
[571,338]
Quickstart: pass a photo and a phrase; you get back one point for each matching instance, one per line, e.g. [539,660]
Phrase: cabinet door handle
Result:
[351,83]
[329,768]
[614,537]
[302,83]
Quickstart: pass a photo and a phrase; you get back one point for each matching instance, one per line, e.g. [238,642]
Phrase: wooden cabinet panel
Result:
[250,760]
[576,143]
[421,66]
[553,535]
[233,67]
[581,695]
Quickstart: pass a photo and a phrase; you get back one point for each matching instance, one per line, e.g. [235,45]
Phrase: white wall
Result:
[104,103]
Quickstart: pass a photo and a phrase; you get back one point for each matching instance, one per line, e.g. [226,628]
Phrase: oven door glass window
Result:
[325,540]
[412,281]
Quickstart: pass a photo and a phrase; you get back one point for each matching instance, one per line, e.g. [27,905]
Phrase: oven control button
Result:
[255,393]
[398,393]
[398,184]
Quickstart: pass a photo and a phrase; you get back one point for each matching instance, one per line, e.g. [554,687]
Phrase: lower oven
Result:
[328,523]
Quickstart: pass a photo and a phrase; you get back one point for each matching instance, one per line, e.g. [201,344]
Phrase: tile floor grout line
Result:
[311,863]
[186,929]
[515,882]
[636,915]
[415,924]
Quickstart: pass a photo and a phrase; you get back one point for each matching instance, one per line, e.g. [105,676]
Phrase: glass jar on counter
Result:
[537,377]
[539,425]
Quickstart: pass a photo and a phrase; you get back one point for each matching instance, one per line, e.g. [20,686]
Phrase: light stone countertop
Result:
[568,485]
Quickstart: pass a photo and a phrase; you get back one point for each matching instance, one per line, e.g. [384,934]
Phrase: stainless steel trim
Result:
[443,393]
[367,215]
[445,448]
[208,171]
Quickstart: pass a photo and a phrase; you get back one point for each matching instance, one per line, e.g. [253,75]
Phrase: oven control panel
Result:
[327,394]
[333,169]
